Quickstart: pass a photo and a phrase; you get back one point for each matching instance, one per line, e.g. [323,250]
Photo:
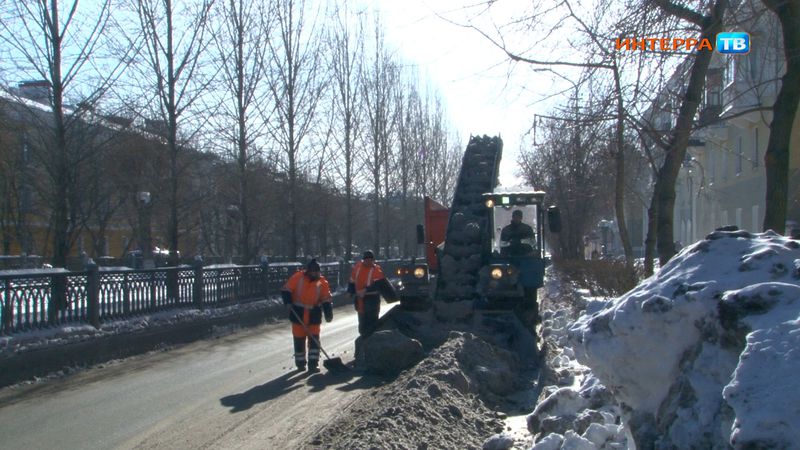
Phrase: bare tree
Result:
[296,87]
[408,158]
[709,25]
[379,81]
[175,40]
[61,45]
[570,163]
[12,184]
[242,47]
[346,69]
[592,33]
[426,163]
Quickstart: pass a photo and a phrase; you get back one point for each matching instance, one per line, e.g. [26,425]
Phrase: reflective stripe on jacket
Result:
[307,293]
[362,277]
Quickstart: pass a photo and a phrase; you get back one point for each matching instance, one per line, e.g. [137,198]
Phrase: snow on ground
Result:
[575,411]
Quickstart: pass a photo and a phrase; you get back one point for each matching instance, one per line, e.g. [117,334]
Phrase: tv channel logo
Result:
[734,43]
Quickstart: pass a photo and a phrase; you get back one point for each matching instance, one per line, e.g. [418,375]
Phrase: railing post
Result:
[126,294]
[93,293]
[237,283]
[8,309]
[172,285]
[197,294]
[218,279]
[153,290]
[58,296]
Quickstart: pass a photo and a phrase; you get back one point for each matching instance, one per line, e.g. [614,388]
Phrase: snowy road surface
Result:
[238,391]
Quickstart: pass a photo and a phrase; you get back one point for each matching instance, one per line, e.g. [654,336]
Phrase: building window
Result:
[713,91]
[739,156]
[756,155]
[730,69]
[739,217]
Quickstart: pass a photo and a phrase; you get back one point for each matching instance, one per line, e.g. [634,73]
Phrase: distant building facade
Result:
[723,180]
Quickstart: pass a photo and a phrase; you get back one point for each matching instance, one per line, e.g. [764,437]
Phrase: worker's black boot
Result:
[313,354]
[300,353]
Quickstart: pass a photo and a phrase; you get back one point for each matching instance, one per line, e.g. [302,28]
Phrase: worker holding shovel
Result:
[307,296]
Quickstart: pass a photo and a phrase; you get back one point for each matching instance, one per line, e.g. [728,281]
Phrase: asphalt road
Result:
[236,392]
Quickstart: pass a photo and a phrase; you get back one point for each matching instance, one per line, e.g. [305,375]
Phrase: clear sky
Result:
[469,71]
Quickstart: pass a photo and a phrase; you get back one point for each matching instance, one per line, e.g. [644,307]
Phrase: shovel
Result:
[332,364]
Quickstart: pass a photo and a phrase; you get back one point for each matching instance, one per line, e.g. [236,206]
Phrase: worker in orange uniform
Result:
[367,283]
[307,296]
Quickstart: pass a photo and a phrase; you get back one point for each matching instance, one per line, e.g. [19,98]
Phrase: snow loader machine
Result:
[469,281]
[477,274]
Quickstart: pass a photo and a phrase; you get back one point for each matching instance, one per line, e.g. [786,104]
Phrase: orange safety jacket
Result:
[362,277]
[307,297]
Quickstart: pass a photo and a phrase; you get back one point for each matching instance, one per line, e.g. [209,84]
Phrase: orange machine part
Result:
[436,216]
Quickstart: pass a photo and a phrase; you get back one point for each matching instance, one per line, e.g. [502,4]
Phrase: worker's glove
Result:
[286,296]
[327,309]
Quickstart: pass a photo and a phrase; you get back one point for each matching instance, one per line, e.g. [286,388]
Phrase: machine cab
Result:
[516,222]
[516,262]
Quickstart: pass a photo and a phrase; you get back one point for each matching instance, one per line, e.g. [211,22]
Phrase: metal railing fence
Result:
[30,301]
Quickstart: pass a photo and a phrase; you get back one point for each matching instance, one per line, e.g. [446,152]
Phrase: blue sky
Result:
[483,95]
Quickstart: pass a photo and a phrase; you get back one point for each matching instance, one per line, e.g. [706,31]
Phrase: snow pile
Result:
[576,410]
[704,354]
[440,403]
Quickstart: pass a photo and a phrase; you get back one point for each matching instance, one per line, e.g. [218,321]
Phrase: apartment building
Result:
[723,179]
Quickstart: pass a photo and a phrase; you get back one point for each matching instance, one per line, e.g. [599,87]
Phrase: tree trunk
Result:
[61,228]
[776,158]
[246,250]
[650,240]
[376,222]
[348,228]
[664,192]
[619,184]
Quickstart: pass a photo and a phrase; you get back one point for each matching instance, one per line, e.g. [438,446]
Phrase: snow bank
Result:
[71,333]
[702,354]
[576,410]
